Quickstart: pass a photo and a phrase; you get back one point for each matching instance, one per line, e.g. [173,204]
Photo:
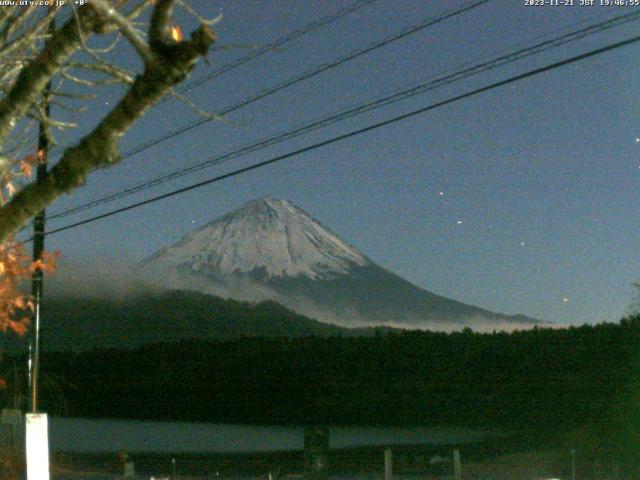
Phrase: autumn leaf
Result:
[26,168]
[19,327]
[15,267]
[30,158]
[38,265]
[50,260]
[20,303]
[11,189]
[176,33]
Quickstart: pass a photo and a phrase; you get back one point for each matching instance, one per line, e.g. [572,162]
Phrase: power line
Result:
[276,44]
[354,133]
[271,47]
[378,103]
[425,23]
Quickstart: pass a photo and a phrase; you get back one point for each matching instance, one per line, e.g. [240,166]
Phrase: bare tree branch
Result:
[159,35]
[114,71]
[130,33]
[16,21]
[204,21]
[203,113]
[168,63]
[33,78]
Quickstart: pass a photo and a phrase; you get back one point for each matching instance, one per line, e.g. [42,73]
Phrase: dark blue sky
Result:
[519,200]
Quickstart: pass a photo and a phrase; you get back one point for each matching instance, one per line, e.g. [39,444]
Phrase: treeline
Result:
[538,379]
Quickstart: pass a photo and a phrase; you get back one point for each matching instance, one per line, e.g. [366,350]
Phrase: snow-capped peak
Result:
[269,235]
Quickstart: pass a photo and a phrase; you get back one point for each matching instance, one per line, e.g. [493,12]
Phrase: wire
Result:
[276,44]
[269,48]
[354,133]
[375,104]
[425,23]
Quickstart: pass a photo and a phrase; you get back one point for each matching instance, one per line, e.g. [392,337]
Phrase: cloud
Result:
[119,279]
[476,323]
[97,277]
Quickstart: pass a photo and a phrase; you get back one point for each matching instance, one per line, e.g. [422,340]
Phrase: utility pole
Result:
[38,248]
[38,243]
[36,424]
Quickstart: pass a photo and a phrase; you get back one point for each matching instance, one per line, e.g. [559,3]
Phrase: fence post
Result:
[457,465]
[388,464]
[316,452]
[129,467]
[37,446]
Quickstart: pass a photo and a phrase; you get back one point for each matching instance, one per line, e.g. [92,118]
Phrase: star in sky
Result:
[497,171]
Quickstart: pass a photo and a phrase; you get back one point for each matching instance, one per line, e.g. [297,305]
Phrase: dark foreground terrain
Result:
[578,386]
[420,460]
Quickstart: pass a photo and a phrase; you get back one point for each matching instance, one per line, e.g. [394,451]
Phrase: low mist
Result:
[96,278]
[121,279]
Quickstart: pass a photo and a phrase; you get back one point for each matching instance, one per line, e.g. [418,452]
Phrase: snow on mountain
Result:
[268,235]
[270,249]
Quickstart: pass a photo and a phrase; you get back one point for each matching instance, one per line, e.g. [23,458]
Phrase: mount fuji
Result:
[269,249]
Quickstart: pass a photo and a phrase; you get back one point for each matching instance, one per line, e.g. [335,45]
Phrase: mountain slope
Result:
[268,235]
[269,249]
[165,316]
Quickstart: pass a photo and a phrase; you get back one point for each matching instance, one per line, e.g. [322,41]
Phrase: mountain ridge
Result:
[270,233]
[270,249]
[164,316]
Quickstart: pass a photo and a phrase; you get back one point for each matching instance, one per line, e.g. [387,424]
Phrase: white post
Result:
[388,464]
[37,444]
[129,469]
[457,465]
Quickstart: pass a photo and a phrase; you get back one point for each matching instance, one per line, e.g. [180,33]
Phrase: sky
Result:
[518,200]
